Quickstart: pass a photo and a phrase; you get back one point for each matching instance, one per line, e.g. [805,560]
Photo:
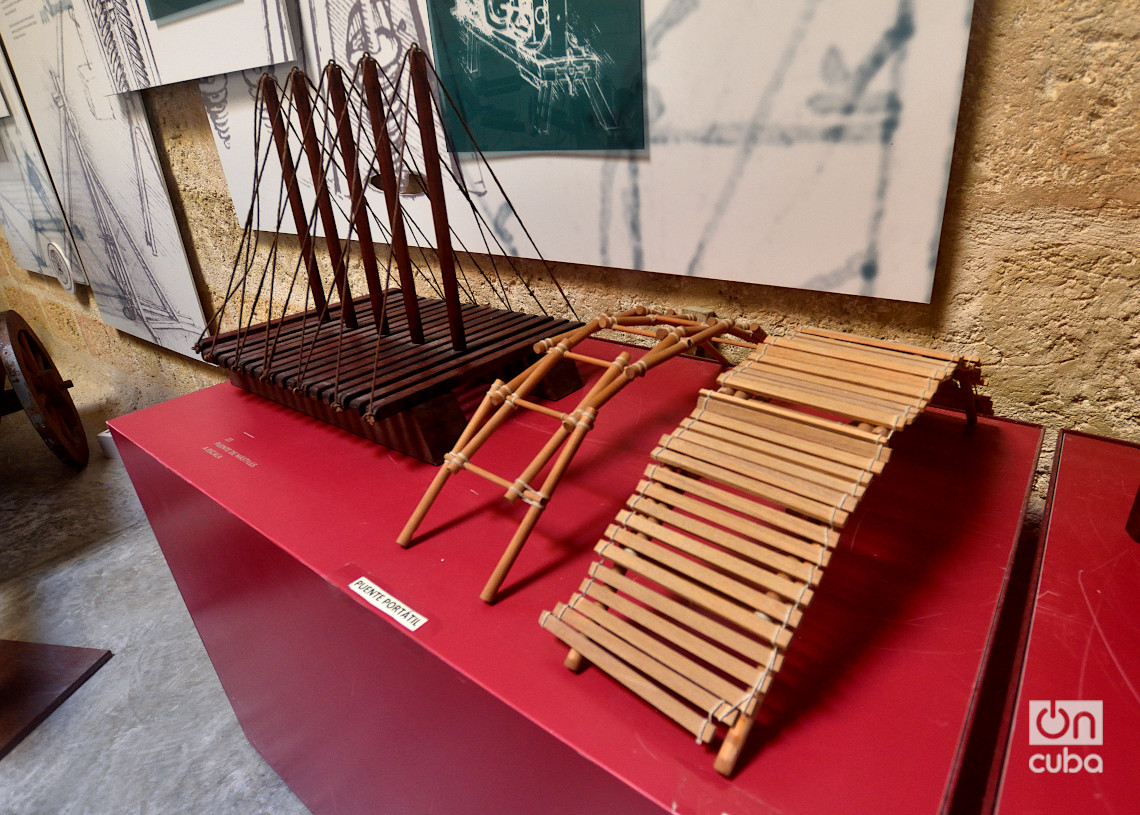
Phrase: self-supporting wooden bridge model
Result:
[705,574]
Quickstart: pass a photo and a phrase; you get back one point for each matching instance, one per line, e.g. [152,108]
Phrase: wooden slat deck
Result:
[708,569]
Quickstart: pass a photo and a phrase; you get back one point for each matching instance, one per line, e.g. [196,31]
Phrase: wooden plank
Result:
[894,362]
[752,621]
[857,372]
[853,484]
[682,714]
[650,518]
[813,531]
[864,382]
[801,396]
[830,514]
[699,573]
[887,344]
[704,649]
[893,402]
[662,651]
[831,432]
[758,472]
[665,675]
[788,554]
[730,638]
[767,438]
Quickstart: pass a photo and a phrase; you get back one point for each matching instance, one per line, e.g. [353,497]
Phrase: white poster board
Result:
[139,52]
[797,143]
[30,214]
[100,153]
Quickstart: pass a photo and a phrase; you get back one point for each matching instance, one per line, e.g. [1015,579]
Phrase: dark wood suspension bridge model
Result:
[385,363]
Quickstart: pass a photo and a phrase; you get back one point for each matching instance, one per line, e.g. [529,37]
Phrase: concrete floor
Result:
[152,730]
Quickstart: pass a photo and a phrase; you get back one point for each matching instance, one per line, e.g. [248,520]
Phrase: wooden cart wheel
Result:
[40,390]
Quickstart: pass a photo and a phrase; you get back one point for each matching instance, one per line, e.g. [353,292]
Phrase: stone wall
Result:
[1036,272]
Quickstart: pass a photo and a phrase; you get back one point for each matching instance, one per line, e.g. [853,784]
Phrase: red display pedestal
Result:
[1080,675]
[266,517]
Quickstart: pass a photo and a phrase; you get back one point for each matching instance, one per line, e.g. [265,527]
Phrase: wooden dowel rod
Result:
[601,363]
[844,485]
[711,601]
[814,531]
[297,206]
[700,647]
[300,87]
[535,511]
[421,510]
[821,511]
[726,757]
[425,115]
[716,686]
[687,615]
[378,120]
[637,683]
[798,567]
[357,209]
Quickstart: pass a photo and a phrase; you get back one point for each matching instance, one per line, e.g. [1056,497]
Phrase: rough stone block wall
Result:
[1037,272]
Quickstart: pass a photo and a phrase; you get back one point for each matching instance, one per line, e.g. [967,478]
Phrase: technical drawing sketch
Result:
[140,52]
[168,11]
[801,144]
[331,30]
[100,153]
[30,213]
[542,74]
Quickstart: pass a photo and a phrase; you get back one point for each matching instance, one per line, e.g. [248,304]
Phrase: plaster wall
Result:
[1036,274]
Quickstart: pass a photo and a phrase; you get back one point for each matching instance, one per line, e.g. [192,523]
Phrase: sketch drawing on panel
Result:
[811,97]
[126,48]
[340,31]
[140,53]
[99,151]
[30,212]
[536,36]
[767,128]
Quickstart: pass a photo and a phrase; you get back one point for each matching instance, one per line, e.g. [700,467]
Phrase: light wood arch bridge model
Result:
[704,575]
[674,334]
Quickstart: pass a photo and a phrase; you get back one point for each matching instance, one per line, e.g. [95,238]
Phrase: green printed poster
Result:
[541,75]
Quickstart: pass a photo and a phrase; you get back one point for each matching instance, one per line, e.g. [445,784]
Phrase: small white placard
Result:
[398,611]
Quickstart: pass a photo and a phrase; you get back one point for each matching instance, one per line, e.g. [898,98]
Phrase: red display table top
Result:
[1083,643]
[868,714]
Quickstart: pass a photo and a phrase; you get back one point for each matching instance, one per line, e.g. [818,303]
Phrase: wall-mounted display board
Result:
[100,153]
[795,143]
[30,213]
[338,30]
[144,43]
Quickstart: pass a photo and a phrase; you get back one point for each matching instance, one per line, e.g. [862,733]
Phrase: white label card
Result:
[388,604]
